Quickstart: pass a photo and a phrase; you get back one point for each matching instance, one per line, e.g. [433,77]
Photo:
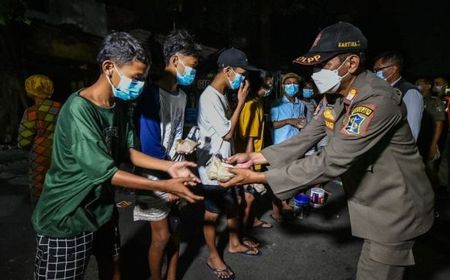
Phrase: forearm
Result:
[258,158]
[128,180]
[233,121]
[250,145]
[438,128]
[140,159]
[280,124]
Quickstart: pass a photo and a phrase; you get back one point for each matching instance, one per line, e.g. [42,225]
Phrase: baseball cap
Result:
[341,37]
[235,58]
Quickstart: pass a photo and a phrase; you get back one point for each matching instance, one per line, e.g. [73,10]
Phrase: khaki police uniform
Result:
[371,148]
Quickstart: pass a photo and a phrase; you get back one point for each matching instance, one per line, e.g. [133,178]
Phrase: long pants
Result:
[385,261]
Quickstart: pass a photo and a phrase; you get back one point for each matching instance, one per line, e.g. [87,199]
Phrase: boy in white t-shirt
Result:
[217,124]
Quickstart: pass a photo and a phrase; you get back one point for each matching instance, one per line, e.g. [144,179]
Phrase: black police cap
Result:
[341,37]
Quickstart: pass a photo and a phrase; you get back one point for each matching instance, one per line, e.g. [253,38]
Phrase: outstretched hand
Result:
[178,188]
[242,160]
[181,169]
[243,177]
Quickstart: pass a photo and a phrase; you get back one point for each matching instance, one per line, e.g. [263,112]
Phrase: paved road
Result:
[317,247]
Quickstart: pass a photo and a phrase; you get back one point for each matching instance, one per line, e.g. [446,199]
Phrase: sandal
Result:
[217,272]
[251,243]
[249,252]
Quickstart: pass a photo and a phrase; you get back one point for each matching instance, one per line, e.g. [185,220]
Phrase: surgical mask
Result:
[127,89]
[328,81]
[188,76]
[237,81]
[291,89]
[268,91]
[380,75]
[308,92]
[437,89]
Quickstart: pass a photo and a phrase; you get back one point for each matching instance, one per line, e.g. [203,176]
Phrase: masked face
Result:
[328,81]
[187,77]
[381,71]
[291,89]
[268,90]
[237,80]
[127,89]
[308,92]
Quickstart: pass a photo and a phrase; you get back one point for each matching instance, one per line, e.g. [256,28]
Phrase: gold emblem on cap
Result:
[349,44]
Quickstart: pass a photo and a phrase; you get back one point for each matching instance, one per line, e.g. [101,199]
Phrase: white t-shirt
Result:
[172,107]
[213,121]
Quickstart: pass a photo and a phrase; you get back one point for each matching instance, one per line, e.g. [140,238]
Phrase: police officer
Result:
[370,147]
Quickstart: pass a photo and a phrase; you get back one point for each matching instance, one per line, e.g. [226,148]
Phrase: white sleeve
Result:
[414,109]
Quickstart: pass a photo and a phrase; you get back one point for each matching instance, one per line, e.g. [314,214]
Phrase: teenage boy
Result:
[217,124]
[76,216]
[160,119]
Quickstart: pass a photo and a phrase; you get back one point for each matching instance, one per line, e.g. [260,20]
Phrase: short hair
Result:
[180,41]
[121,48]
[257,79]
[424,80]
[392,56]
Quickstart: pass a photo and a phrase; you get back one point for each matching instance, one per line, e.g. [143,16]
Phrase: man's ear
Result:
[354,63]
[108,67]
[173,60]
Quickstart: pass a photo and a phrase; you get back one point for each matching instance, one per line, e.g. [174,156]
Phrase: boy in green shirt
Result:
[75,216]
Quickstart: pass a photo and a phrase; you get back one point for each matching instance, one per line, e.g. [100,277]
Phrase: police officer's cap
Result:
[341,37]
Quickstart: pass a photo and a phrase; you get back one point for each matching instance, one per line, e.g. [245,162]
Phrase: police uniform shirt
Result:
[371,147]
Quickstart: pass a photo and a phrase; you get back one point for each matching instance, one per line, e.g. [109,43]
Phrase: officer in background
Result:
[370,147]
[388,66]
[433,122]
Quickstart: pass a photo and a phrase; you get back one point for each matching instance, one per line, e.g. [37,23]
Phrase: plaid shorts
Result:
[68,258]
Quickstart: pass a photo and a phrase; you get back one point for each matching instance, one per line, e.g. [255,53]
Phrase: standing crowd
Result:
[385,138]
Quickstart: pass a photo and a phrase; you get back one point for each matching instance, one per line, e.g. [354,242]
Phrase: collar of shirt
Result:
[284,99]
[396,81]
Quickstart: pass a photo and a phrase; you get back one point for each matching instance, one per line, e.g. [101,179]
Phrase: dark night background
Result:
[60,38]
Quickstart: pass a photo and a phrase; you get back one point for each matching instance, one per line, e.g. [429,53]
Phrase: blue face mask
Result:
[127,89]
[187,77]
[308,92]
[380,75]
[237,81]
[291,89]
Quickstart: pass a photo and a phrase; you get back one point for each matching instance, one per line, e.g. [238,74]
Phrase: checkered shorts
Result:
[68,258]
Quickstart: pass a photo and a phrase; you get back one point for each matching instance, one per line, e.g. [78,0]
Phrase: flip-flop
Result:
[251,243]
[249,252]
[216,272]
[263,224]
[277,220]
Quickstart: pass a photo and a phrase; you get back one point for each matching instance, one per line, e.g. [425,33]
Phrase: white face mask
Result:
[328,81]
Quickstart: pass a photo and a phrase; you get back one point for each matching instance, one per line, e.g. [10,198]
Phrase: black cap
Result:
[341,37]
[235,58]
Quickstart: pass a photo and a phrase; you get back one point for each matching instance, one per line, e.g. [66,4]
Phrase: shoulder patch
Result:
[359,120]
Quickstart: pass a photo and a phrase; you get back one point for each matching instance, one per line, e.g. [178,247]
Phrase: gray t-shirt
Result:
[172,118]
[213,121]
